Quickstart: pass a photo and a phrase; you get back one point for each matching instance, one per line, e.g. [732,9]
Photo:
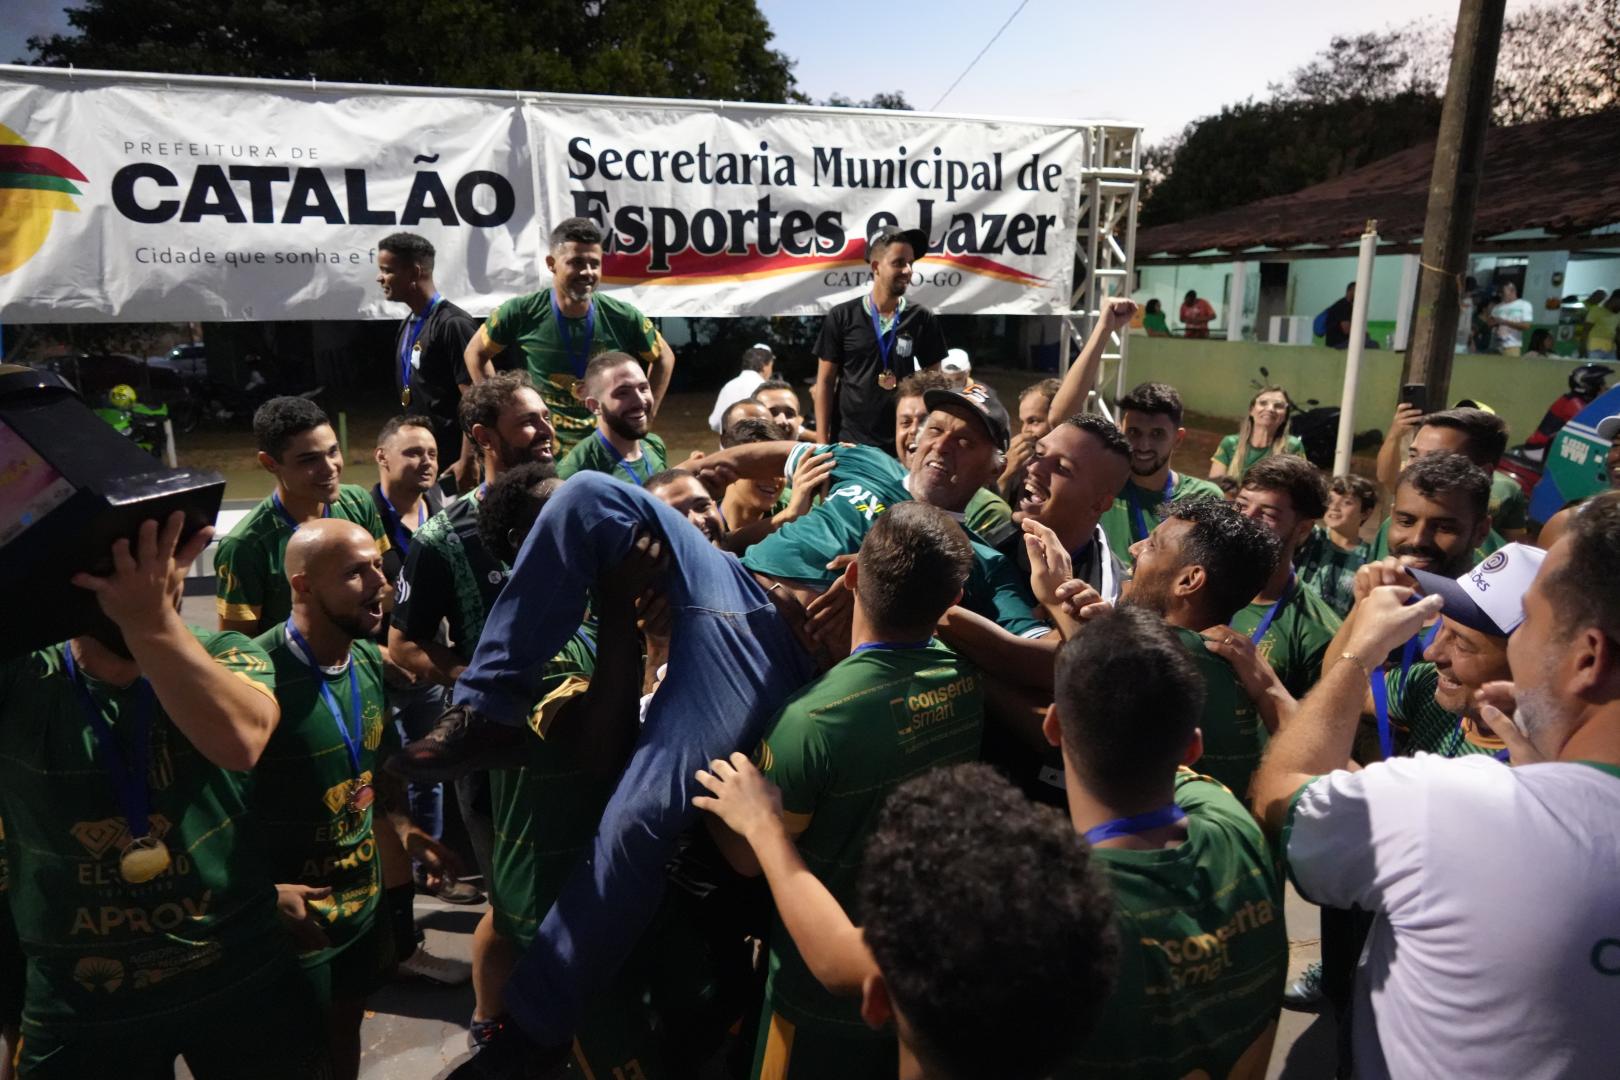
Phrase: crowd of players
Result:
[931,741]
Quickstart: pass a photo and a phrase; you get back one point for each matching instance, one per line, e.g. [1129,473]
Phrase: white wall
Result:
[1314,284]
[1584,275]
[1168,284]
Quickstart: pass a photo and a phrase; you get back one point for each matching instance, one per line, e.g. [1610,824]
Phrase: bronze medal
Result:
[577,388]
[361,797]
[405,397]
[888,381]
[144,859]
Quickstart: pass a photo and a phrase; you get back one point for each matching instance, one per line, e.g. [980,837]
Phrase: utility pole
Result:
[1459,161]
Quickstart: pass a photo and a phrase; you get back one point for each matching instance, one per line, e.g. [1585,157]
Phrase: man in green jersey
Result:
[1150,417]
[1198,895]
[1198,569]
[560,328]
[900,704]
[140,889]
[1479,435]
[299,448]
[1330,556]
[1288,623]
[617,391]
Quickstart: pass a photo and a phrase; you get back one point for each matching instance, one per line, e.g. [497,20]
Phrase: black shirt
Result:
[865,410]
[399,538]
[1335,337]
[438,373]
[451,577]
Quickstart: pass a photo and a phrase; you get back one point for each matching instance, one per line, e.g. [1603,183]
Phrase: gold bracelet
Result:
[1358,661]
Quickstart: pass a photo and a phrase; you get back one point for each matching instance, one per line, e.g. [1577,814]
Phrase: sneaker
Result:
[463,740]
[480,1033]
[511,1055]
[1304,994]
[452,891]
[422,964]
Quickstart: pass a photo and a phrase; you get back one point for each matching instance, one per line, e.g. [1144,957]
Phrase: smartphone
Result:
[1415,394]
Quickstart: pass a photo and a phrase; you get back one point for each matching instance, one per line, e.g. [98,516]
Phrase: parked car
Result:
[190,362]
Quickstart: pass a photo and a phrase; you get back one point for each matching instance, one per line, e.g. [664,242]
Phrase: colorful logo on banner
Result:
[35,183]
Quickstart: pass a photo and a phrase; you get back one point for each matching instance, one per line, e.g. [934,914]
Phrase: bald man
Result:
[319,778]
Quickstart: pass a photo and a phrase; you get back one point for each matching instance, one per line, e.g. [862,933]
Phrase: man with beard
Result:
[617,391]
[1479,435]
[319,777]
[867,345]
[429,347]
[1522,940]
[299,448]
[138,880]
[560,328]
[1150,417]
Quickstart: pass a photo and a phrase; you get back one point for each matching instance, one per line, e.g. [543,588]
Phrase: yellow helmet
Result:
[121,396]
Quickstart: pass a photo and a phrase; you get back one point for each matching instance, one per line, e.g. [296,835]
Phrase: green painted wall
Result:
[1214,379]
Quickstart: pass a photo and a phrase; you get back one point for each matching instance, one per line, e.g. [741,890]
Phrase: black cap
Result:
[977,400]
[890,233]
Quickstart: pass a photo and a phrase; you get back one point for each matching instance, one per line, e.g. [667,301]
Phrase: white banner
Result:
[135,199]
[148,203]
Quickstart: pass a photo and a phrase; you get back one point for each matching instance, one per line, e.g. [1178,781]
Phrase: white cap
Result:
[1608,426]
[762,345]
[956,360]
[1490,597]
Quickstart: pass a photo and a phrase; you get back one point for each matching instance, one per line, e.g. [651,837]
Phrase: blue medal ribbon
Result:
[1141,531]
[865,645]
[351,739]
[885,345]
[577,357]
[620,462]
[1271,614]
[1380,687]
[1136,823]
[402,535]
[275,500]
[417,322]
[129,778]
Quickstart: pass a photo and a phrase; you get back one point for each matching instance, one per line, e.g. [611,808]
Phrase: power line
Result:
[982,51]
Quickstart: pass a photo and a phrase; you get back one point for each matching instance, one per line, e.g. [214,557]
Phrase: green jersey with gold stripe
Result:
[1234,734]
[105,956]
[1421,724]
[1138,511]
[1203,949]
[836,751]
[315,835]
[250,564]
[1297,639]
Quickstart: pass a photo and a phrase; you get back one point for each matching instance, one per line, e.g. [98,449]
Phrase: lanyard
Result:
[885,345]
[1266,620]
[402,535]
[351,739]
[417,322]
[1380,687]
[1141,532]
[620,462]
[129,778]
[275,500]
[577,358]
[865,645]
[1136,823]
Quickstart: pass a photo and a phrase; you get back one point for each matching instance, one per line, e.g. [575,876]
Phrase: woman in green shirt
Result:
[1153,320]
[1264,432]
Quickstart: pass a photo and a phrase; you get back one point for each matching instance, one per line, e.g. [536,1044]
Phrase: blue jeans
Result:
[733,663]
[416,710]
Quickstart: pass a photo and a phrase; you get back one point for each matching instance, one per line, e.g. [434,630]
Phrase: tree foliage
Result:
[883,99]
[656,48]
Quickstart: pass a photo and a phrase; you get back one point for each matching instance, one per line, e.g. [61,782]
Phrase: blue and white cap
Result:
[1490,597]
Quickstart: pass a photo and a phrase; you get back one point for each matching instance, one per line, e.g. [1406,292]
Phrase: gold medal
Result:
[405,397]
[888,381]
[361,797]
[144,859]
[577,388]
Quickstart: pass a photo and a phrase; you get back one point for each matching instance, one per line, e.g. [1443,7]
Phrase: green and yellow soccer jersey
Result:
[987,516]
[1203,950]
[1137,511]
[1330,570]
[545,811]
[1233,732]
[1421,724]
[1227,450]
[836,750]
[864,483]
[303,784]
[527,322]
[450,578]
[1378,547]
[250,564]
[1297,639]
[106,956]
[594,453]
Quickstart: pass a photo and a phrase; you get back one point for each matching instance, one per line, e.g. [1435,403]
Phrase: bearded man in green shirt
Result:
[1150,417]
[617,391]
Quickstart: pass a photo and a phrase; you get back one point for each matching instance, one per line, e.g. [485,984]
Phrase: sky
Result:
[1166,63]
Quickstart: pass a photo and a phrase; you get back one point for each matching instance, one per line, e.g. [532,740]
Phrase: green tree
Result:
[654,48]
[883,99]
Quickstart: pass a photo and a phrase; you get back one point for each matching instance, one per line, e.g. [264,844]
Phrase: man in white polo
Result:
[1496,949]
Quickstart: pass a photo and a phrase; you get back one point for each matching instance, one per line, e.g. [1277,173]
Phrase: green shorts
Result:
[358,970]
[270,1032]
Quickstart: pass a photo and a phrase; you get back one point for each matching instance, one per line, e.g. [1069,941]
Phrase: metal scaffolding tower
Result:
[1110,184]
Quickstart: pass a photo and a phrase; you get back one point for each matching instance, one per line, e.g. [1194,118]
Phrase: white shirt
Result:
[1496,951]
[1517,310]
[742,385]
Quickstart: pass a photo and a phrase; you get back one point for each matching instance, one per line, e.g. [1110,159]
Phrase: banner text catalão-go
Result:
[143,201]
